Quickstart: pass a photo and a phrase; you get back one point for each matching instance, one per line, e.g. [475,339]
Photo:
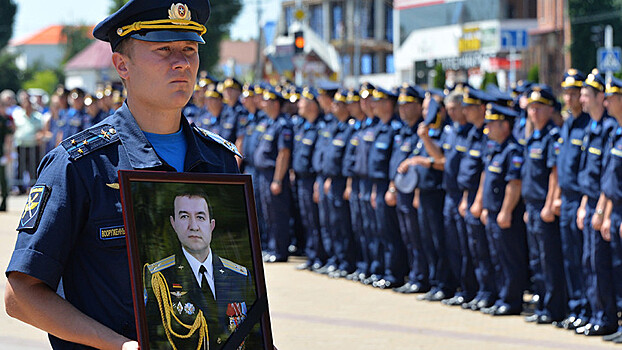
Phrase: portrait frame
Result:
[235,242]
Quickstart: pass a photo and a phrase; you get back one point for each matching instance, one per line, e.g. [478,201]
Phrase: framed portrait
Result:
[195,259]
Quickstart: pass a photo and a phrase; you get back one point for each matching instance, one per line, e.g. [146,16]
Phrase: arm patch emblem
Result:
[37,198]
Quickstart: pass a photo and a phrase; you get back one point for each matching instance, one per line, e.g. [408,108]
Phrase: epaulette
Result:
[234,267]
[89,140]
[218,139]
[554,131]
[162,264]
[396,125]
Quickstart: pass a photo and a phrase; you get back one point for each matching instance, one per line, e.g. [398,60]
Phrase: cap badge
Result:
[179,11]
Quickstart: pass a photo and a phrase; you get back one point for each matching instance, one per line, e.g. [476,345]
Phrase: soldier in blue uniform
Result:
[389,247]
[234,115]
[502,213]
[454,145]
[521,126]
[596,251]
[410,105]
[272,160]
[335,186]
[539,176]
[76,117]
[611,228]
[570,149]
[305,141]
[76,195]
[211,117]
[469,179]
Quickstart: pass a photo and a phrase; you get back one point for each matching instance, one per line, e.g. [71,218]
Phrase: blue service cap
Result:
[341,96]
[595,80]
[459,86]
[366,90]
[521,87]
[613,87]
[327,88]
[541,93]
[155,20]
[271,94]
[433,118]
[437,92]
[309,93]
[410,93]
[499,97]
[573,78]
[233,83]
[474,97]
[214,90]
[353,96]
[383,94]
[496,112]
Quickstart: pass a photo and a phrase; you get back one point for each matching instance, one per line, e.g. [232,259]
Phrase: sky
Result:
[33,15]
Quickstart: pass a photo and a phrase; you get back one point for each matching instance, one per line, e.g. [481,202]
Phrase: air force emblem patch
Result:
[35,204]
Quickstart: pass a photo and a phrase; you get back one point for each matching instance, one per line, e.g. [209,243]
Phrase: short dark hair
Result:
[194,193]
[124,47]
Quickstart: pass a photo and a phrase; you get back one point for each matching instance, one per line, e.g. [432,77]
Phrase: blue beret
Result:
[573,78]
[155,20]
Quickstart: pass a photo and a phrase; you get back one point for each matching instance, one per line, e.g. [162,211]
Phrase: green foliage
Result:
[439,78]
[116,4]
[588,20]
[43,79]
[534,73]
[7,12]
[10,75]
[77,39]
[489,78]
[221,17]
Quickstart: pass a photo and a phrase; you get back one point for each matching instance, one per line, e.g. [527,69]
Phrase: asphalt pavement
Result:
[311,311]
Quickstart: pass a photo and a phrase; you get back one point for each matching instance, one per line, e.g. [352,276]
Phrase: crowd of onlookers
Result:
[32,123]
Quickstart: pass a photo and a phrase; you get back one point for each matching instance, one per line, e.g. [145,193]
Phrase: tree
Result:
[533,74]
[489,78]
[439,77]
[588,19]
[7,12]
[116,4]
[10,75]
[43,79]
[77,39]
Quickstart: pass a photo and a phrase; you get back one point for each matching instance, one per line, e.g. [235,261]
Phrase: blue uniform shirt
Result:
[336,149]
[612,178]
[570,144]
[324,138]
[209,122]
[472,164]
[349,158]
[504,166]
[73,121]
[278,136]
[404,143]
[254,129]
[518,130]
[540,158]
[455,145]
[75,230]
[367,137]
[429,178]
[594,143]
[304,146]
[380,151]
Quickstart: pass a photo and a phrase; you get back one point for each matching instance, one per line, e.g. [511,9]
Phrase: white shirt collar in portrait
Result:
[195,265]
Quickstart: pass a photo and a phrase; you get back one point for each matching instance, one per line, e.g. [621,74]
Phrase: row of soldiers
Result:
[471,197]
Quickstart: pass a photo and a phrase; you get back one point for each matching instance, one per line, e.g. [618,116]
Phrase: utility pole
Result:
[258,65]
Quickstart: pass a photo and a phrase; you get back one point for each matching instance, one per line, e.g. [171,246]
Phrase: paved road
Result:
[314,312]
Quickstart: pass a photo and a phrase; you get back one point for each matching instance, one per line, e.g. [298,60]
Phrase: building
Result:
[467,38]
[237,58]
[345,40]
[45,48]
[91,67]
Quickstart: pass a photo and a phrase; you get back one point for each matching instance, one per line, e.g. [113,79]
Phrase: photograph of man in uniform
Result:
[194,298]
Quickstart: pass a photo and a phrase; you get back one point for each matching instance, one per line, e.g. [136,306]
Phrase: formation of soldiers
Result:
[473,198]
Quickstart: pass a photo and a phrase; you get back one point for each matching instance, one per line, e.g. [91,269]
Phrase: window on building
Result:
[346,63]
[315,20]
[366,64]
[367,19]
[388,61]
[289,17]
[388,20]
[337,30]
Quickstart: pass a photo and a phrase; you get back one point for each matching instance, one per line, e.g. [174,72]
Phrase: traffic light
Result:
[299,43]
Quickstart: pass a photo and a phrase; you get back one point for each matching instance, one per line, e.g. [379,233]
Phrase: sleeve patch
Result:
[37,199]
[517,162]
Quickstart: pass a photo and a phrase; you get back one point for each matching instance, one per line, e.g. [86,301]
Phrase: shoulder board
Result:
[218,139]
[554,131]
[234,267]
[162,264]
[89,140]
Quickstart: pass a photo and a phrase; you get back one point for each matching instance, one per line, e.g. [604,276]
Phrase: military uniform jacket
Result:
[454,144]
[503,165]
[518,130]
[404,144]
[278,136]
[570,148]
[72,226]
[255,127]
[472,165]
[594,146]
[335,151]
[611,181]
[540,158]
[380,151]
[304,147]
[366,141]
[326,126]
[74,121]
[235,294]
[429,178]
[349,158]
[233,119]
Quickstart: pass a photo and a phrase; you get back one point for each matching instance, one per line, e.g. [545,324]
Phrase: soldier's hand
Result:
[557,207]
[390,198]
[546,214]
[605,230]
[416,201]
[316,193]
[504,219]
[597,221]
[327,184]
[462,207]
[476,209]
[275,188]
[130,345]
[372,200]
[526,217]
[580,217]
[347,192]
[423,130]
[483,217]
[404,165]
